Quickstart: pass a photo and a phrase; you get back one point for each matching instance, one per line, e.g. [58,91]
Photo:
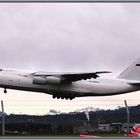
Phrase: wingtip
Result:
[100,72]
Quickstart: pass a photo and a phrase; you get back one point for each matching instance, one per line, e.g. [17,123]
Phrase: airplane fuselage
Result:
[10,79]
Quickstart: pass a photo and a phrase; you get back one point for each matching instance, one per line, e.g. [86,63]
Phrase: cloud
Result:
[68,36]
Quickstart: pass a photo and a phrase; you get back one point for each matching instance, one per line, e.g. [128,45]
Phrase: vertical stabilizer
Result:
[132,72]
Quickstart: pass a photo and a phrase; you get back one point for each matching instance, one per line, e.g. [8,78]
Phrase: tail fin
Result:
[132,72]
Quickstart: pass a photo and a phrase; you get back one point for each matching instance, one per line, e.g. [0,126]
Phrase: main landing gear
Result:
[63,97]
[5,91]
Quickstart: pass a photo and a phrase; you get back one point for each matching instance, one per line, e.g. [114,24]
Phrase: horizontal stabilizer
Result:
[134,83]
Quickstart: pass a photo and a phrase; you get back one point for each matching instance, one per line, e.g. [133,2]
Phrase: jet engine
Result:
[53,80]
[39,80]
[46,80]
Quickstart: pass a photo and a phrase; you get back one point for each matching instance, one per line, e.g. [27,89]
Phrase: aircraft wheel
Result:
[71,98]
[54,96]
[5,91]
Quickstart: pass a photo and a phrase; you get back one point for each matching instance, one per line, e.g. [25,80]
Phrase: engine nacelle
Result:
[53,80]
[48,80]
[39,80]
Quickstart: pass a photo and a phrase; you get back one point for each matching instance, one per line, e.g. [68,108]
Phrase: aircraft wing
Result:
[71,77]
[81,76]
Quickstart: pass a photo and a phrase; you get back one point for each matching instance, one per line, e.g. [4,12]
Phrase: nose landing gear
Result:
[5,91]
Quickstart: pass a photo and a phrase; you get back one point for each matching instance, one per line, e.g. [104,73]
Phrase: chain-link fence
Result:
[44,117]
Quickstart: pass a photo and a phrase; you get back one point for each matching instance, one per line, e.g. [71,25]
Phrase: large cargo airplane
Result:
[71,85]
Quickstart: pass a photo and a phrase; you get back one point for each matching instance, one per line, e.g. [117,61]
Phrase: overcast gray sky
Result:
[68,37]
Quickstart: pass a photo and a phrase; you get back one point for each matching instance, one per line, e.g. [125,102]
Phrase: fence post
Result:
[128,116]
[3,118]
